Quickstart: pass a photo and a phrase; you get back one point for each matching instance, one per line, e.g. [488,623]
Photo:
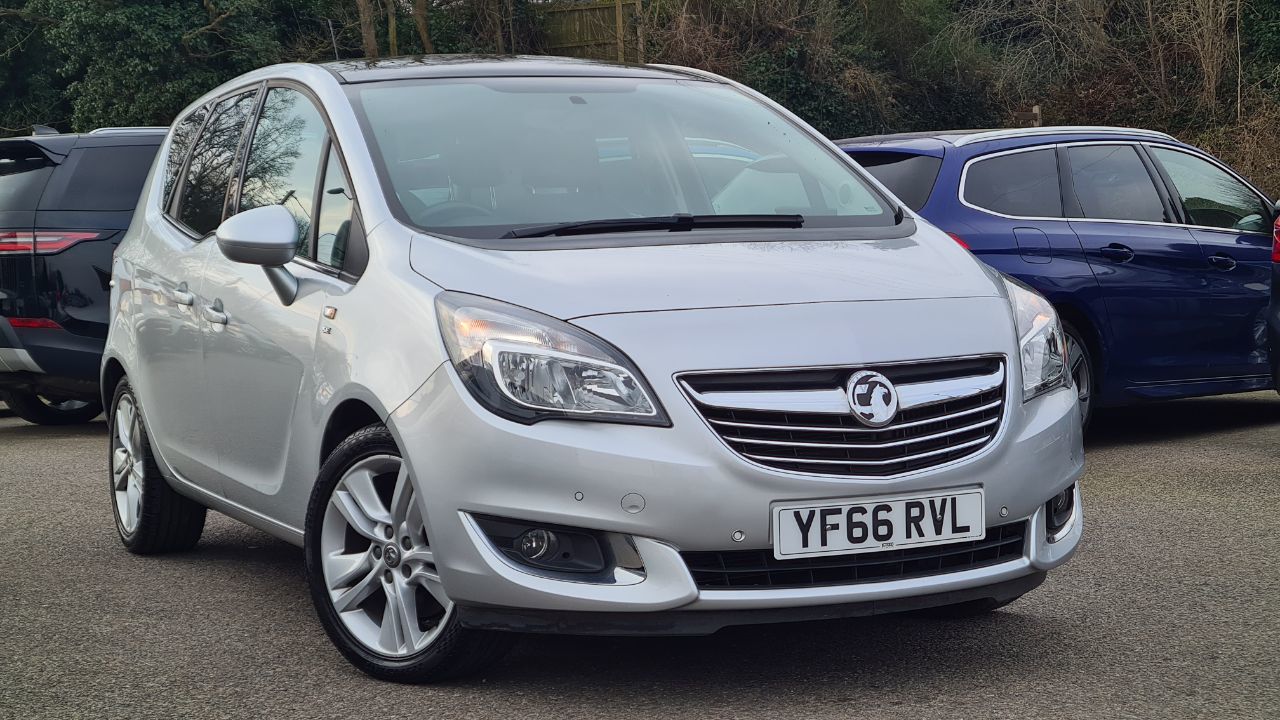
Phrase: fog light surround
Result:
[1060,514]
[552,548]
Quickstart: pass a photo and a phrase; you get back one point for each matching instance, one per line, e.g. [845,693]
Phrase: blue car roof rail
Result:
[1010,133]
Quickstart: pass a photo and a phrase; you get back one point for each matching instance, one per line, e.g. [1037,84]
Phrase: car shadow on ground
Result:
[1182,419]
[845,656]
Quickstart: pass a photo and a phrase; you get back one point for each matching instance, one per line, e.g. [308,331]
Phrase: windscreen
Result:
[479,157]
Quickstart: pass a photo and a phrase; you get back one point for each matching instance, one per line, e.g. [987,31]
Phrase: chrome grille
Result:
[799,419]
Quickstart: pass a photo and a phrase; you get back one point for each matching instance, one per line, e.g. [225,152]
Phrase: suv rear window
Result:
[23,173]
[910,177]
[101,179]
[1023,184]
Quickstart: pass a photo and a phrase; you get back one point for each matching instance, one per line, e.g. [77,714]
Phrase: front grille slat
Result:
[964,421]
[759,569]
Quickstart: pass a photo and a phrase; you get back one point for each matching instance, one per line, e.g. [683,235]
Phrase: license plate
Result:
[857,525]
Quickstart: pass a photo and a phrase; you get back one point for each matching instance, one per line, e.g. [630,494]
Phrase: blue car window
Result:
[1023,184]
[1210,196]
[1111,183]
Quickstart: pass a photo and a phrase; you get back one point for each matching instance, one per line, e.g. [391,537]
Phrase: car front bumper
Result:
[696,495]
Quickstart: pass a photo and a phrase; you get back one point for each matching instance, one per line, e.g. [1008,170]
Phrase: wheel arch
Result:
[112,372]
[347,417]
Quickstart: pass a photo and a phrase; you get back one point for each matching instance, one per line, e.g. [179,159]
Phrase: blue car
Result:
[1157,256]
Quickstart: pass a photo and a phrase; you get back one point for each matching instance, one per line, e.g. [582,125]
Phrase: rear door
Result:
[1232,224]
[1149,269]
[171,378]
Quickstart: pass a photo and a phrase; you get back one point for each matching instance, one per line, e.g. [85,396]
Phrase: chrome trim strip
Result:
[865,446]
[896,426]
[914,395]
[1012,133]
[891,461]
[964,177]
[835,401]
[831,401]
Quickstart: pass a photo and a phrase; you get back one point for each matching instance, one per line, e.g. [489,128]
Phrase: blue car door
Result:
[1149,269]
[1231,222]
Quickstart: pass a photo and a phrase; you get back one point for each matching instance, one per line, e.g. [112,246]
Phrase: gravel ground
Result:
[1170,609]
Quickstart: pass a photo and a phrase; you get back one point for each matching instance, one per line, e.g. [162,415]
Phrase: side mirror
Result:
[266,236]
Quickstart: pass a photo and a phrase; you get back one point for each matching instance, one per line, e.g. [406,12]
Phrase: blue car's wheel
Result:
[1080,363]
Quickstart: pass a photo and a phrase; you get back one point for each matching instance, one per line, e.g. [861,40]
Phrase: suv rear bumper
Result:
[50,361]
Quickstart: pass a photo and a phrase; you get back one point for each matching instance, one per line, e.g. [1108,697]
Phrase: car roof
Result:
[461,66]
[63,143]
[934,143]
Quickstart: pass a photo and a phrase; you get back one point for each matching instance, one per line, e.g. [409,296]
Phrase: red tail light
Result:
[960,240]
[1275,242]
[42,242]
[34,323]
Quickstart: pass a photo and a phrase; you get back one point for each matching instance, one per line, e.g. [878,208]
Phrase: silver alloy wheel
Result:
[1081,375]
[377,562]
[127,463]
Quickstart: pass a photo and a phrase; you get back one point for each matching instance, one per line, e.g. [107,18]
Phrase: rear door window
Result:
[24,170]
[908,176]
[1023,184]
[212,164]
[100,179]
[1112,183]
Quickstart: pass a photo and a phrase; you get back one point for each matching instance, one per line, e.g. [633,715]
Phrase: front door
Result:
[259,352]
[1148,269]
[1232,224]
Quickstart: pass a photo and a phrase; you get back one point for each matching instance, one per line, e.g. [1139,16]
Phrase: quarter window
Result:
[1112,183]
[1212,197]
[283,164]
[910,177]
[1024,184]
[212,164]
[333,226]
[184,134]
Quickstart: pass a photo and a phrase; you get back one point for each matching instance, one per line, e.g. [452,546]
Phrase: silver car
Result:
[543,345]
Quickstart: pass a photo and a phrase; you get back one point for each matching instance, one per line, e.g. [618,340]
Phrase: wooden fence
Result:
[604,30]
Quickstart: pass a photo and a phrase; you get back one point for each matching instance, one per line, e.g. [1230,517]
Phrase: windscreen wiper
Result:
[671,223]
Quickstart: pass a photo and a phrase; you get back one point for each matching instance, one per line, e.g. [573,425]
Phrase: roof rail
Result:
[1008,133]
[128,130]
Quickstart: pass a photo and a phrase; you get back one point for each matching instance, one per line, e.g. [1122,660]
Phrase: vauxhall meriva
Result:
[548,345]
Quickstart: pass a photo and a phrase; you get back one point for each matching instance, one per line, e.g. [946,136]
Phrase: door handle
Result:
[180,296]
[1116,251]
[214,313]
[1222,261]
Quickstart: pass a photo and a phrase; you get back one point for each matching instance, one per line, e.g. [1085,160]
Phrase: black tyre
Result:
[35,408]
[1080,364]
[372,571]
[150,517]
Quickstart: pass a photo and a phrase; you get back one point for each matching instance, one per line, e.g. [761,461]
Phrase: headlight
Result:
[527,367]
[1041,345]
